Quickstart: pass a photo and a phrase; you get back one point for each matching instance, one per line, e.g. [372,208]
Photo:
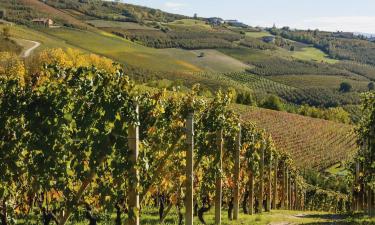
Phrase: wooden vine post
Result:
[283,191]
[287,188]
[355,192]
[296,196]
[189,204]
[133,144]
[237,168]
[251,192]
[219,183]
[290,192]
[269,185]
[274,197]
[261,177]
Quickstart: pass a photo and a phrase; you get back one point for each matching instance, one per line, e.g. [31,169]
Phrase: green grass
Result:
[337,169]
[10,46]
[246,55]
[150,216]
[47,41]
[332,82]
[258,34]
[311,53]
[189,24]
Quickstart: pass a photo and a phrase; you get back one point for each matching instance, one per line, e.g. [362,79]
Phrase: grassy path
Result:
[28,47]
[276,217]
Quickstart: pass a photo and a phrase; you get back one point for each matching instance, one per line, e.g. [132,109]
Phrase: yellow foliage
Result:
[11,66]
[75,58]
[67,58]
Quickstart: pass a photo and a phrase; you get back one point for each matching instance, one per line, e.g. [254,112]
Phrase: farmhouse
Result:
[215,21]
[343,35]
[236,23]
[269,39]
[47,22]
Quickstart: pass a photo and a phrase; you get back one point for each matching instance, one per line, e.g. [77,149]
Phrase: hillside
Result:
[312,143]
[164,50]
[147,34]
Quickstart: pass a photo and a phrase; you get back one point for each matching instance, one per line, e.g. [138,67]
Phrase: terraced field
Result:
[260,84]
[332,82]
[130,53]
[312,143]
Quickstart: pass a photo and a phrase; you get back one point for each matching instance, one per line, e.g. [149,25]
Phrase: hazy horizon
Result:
[333,15]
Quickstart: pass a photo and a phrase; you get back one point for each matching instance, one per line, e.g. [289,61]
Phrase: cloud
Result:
[364,24]
[174,5]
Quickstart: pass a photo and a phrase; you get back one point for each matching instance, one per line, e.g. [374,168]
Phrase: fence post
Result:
[287,188]
[251,193]
[261,177]
[269,184]
[290,192]
[275,194]
[283,197]
[133,144]
[219,185]
[356,193]
[237,175]
[189,205]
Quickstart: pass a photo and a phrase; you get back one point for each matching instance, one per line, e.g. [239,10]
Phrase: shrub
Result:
[371,86]
[273,102]
[345,87]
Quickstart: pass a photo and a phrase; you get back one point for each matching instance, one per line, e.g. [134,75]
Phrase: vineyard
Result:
[321,97]
[82,139]
[312,143]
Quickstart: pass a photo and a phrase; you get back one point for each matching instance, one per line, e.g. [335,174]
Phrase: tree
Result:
[273,102]
[345,87]
[2,13]
[371,86]
[245,98]
[6,32]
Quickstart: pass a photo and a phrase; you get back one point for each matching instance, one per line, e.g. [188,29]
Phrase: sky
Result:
[329,15]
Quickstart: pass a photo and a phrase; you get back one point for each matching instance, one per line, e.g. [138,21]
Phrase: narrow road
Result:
[26,52]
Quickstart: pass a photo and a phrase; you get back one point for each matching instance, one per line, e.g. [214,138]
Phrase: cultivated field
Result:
[312,143]
[311,53]
[127,52]
[118,24]
[333,82]
[257,34]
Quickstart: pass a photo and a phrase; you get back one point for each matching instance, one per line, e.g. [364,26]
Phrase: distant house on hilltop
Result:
[215,21]
[269,39]
[47,22]
[343,35]
[235,23]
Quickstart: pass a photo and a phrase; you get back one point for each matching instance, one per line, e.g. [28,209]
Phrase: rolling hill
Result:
[312,143]
[161,49]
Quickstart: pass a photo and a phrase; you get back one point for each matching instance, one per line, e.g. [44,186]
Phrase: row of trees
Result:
[87,138]
[179,38]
